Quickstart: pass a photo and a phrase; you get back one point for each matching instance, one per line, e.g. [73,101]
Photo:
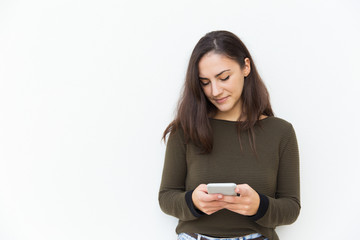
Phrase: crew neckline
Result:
[222,120]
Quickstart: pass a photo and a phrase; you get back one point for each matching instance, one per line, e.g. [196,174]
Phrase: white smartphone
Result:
[223,188]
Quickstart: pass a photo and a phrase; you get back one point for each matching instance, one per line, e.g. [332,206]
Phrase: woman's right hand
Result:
[207,203]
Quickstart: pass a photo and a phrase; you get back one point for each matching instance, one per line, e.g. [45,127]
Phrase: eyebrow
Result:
[215,75]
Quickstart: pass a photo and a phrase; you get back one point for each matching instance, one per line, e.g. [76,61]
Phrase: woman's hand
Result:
[207,203]
[246,204]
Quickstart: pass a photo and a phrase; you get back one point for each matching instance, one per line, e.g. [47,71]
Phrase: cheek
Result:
[238,86]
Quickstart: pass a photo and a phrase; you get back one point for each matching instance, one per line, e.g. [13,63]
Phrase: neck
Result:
[229,117]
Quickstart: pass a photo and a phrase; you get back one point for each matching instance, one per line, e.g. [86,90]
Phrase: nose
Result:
[216,90]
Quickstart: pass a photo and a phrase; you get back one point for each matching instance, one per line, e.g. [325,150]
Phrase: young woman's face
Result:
[222,81]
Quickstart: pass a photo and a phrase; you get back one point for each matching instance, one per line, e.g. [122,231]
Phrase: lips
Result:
[221,100]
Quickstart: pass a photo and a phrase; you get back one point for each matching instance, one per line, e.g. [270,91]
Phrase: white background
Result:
[88,87]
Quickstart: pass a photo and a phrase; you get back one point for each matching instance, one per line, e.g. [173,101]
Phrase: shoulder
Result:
[177,135]
[278,126]
[278,121]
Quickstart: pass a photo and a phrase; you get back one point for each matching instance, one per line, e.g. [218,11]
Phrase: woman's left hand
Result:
[246,204]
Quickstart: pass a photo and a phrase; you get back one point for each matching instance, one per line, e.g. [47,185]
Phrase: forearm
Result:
[280,211]
[175,203]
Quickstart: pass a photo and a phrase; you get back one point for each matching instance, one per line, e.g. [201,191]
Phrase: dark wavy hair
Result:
[194,109]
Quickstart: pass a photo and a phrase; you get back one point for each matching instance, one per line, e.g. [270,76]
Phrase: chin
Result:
[223,109]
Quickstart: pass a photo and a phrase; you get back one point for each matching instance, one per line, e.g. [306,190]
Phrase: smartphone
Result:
[223,188]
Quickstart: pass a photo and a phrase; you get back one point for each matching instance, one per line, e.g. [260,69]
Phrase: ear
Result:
[247,68]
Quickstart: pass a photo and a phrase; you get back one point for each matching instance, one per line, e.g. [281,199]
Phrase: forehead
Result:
[213,63]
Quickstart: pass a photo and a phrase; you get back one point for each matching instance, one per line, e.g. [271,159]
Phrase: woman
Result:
[225,131]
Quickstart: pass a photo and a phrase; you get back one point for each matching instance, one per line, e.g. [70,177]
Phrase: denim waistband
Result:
[197,236]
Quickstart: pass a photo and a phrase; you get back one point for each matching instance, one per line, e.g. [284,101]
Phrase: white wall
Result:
[87,88]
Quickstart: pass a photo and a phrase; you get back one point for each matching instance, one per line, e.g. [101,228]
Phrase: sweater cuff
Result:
[263,207]
[190,204]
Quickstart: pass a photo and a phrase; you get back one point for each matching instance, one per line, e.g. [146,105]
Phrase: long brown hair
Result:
[194,108]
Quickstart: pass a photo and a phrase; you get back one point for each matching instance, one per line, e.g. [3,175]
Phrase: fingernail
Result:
[219,196]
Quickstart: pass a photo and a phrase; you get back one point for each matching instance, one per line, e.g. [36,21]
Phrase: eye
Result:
[204,83]
[225,78]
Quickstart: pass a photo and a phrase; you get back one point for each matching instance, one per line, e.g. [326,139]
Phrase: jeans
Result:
[185,236]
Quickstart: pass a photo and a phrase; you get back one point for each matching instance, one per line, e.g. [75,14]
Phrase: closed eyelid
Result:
[207,80]
[217,75]
[204,82]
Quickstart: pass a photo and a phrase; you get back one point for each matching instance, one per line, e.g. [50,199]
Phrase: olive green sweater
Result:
[274,175]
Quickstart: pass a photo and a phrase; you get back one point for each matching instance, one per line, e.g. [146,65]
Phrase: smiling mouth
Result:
[221,100]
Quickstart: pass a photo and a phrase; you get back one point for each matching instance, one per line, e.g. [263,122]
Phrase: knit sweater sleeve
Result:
[284,208]
[172,191]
